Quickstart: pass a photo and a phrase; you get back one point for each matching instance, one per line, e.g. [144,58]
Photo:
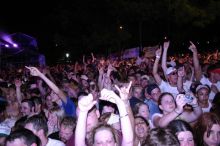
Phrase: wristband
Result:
[123,116]
[177,112]
[157,56]
[195,105]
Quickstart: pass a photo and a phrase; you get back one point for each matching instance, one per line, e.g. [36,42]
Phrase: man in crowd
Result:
[38,125]
[22,137]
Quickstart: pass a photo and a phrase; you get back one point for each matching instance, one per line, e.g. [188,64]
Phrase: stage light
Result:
[6,45]
[67,55]
[15,45]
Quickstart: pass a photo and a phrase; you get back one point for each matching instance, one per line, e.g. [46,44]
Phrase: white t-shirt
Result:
[207,109]
[54,142]
[166,87]
[186,85]
[206,81]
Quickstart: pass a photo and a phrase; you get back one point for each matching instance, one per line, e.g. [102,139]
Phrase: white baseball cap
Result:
[170,70]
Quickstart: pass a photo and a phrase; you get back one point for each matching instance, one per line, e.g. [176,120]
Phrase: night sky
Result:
[81,27]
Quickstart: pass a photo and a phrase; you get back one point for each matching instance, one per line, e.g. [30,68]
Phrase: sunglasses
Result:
[174,73]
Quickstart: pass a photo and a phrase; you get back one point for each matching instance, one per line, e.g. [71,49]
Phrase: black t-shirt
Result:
[54,135]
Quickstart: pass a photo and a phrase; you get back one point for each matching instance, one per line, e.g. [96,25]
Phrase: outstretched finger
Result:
[129,86]
[192,44]
[116,86]
[28,67]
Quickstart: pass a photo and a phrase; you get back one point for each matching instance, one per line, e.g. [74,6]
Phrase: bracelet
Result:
[157,56]
[123,116]
[177,112]
[195,105]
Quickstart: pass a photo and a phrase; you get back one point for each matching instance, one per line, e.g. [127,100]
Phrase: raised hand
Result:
[166,44]
[34,71]
[181,72]
[124,91]
[101,70]
[18,82]
[158,52]
[109,95]
[180,102]
[214,88]
[86,103]
[192,47]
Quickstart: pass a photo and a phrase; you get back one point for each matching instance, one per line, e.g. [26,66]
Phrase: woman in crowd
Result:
[141,130]
[174,109]
[103,134]
[207,130]
[183,131]
[142,109]
[202,93]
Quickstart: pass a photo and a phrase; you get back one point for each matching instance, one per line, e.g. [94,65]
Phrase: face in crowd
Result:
[167,103]
[141,128]
[104,136]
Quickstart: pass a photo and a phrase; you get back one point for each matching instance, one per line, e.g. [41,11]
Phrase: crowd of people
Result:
[100,101]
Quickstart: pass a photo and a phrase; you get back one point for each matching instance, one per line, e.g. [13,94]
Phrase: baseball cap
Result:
[170,70]
[202,86]
[151,87]
[145,77]
[84,77]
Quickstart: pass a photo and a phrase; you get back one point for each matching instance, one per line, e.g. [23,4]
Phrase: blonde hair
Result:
[59,112]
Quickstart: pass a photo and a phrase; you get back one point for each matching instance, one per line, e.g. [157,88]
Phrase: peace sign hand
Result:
[124,91]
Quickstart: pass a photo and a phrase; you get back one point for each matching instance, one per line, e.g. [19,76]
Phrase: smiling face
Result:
[167,104]
[213,138]
[141,128]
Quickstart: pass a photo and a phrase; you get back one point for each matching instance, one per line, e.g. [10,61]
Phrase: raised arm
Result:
[194,115]
[181,73]
[155,67]
[35,72]
[167,118]
[84,105]
[126,127]
[192,71]
[93,58]
[18,90]
[125,96]
[197,67]
[164,56]
[100,78]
